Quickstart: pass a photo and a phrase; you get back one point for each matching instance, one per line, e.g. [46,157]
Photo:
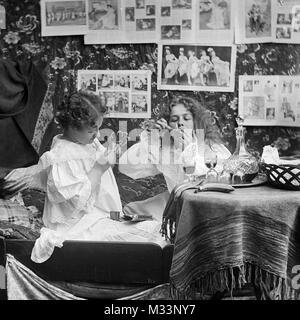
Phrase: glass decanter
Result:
[241,164]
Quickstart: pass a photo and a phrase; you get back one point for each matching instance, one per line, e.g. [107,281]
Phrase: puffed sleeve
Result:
[68,182]
[138,161]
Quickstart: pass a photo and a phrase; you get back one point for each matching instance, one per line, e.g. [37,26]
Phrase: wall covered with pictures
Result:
[58,59]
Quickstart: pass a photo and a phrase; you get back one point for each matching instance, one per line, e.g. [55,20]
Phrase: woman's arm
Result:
[138,161]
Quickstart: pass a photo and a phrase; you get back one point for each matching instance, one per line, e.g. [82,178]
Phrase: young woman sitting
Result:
[193,132]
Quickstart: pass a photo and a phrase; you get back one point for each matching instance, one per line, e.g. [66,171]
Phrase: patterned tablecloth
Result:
[223,241]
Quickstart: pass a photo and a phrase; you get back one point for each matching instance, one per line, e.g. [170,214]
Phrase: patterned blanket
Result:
[223,241]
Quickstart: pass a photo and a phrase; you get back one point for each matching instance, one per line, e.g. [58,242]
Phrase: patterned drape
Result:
[58,58]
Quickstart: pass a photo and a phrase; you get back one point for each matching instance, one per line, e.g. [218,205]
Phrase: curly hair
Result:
[79,110]
[201,116]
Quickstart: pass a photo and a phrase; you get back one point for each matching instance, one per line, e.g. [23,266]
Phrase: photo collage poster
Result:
[126,94]
[140,21]
[260,21]
[270,100]
[194,67]
[286,21]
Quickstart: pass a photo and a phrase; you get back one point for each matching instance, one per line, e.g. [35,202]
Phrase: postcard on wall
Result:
[270,100]
[140,20]
[254,21]
[196,67]
[63,17]
[104,22]
[215,20]
[286,21]
[127,94]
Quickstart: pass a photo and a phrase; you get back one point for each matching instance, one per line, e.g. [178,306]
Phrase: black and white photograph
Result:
[256,20]
[215,14]
[88,82]
[145,24]
[139,104]
[248,86]
[105,81]
[171,32]
[104,14]
[150,10]
[122,81]
[121,102]
[150,151]
[284,18]
[116,90]
[196,67]
[284,32]
[139,82]
[130,14]
[64,17]
[181,4]
[186,24]
[165,11]
[140,4]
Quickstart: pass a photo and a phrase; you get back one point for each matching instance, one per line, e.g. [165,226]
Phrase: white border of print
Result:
[62,30]
[229,88]
[130,91]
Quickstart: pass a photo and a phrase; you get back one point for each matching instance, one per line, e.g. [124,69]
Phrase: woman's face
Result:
[85,135]
[181,118]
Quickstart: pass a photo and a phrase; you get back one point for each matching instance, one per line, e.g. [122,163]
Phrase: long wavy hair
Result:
[201,116]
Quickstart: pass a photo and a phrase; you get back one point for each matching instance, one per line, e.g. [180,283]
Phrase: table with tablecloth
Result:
[225,240]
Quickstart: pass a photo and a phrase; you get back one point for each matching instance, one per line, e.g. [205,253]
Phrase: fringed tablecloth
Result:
[223,241]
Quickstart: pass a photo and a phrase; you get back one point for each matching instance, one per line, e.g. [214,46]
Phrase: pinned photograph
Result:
[284,33]
[187,24]
[119,90]
[165,11]
[287,110]
[272,102]
[254,107]
[103,14]
[145,24]
[150,10]
[197,67]
[284,18]
[110,100]
[122,81]
[170,32]
[140,82]
[68,17]
[88,82]
[140,4]
[130,14]
[121,102]
[258,18]
[270,116]
[182,4]
[105,81]
[139,104]
[248,86]
[215,14]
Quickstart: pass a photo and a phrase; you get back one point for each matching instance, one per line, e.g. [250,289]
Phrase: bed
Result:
[90,270]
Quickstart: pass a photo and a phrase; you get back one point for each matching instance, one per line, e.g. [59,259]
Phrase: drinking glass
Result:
[189,167]
[211,159]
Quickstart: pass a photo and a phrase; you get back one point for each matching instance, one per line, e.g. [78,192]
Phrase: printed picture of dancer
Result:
[189,66]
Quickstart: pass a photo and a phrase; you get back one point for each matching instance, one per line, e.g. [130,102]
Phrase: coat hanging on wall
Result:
[22,90]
